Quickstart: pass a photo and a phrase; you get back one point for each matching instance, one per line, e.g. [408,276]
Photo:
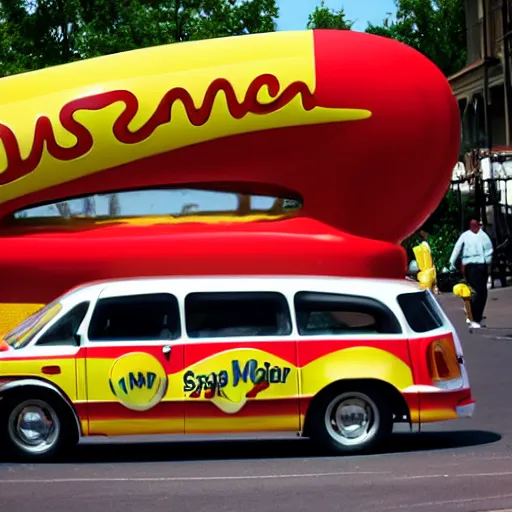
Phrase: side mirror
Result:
[77,339]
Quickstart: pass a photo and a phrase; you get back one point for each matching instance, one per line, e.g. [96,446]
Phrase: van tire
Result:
[345,420]
[53,432]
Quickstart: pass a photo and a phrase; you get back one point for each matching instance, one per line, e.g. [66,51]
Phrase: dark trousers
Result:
[477,275]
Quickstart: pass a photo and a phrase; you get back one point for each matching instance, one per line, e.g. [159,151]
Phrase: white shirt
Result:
[475,247]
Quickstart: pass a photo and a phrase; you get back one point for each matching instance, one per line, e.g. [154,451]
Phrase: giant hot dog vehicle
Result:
[362,130]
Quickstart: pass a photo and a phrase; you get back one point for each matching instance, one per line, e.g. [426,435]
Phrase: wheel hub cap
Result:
[34,426]
[352,419]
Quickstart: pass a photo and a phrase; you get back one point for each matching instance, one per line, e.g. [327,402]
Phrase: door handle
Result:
[167,352]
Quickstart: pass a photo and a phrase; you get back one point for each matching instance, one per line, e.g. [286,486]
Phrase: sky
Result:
[293,15]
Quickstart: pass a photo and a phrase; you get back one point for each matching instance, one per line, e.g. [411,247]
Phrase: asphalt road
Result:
[463,465]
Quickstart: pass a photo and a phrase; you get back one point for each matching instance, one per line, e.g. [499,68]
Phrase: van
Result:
[339,360]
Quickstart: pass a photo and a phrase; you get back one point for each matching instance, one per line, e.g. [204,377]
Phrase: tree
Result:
[324,18]
[42,33]
[222,18]
[436,28]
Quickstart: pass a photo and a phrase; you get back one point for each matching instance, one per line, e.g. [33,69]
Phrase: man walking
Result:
[477,250]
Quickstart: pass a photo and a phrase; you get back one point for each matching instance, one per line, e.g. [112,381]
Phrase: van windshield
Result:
[24,333]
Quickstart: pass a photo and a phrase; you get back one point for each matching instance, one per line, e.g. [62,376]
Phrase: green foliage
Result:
[446,213]
[442,229]
[441,239]
[441,242]
[324,18]
[44,33]
[436,28]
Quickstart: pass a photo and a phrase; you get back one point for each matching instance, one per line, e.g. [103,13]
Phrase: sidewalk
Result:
[498,309]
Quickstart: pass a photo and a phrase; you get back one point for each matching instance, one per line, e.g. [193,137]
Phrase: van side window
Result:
[63,332]
[136,318]
[227,314]
[420,311]
[320,314]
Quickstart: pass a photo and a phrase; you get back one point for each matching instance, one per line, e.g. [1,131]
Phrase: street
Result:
[463,465]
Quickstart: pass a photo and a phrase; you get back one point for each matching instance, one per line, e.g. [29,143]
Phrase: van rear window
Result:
[420,311]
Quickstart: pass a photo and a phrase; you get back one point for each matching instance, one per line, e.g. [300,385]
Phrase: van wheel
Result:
[36,427]
[351,421]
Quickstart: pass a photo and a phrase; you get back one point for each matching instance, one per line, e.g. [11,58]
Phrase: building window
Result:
[136,318]
[474,28]
[228,314]
[321,314]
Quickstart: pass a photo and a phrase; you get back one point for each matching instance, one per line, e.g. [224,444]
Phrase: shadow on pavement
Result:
[425,441]
[263,448]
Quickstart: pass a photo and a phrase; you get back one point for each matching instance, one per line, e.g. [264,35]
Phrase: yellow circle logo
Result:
[138,380]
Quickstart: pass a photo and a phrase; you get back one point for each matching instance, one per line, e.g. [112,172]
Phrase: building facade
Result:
[483,87]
